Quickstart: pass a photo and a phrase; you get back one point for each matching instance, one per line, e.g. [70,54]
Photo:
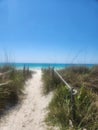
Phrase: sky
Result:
[49,31]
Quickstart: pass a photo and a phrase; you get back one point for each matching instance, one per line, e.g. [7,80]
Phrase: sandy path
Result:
[31,113]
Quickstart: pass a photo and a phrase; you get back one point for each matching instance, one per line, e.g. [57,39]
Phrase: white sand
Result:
[31,113]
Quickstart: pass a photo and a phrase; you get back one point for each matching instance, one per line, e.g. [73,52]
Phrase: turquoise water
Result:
[45,65]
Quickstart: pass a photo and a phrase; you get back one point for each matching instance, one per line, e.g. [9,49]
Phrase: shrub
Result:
[60,108]
[50,80]
[10,93]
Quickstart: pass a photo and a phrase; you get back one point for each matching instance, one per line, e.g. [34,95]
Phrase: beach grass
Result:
[11,92]
[60,108]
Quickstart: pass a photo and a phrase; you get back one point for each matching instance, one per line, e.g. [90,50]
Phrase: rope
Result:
[68,86]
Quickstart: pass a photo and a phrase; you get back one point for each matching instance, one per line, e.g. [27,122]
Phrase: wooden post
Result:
[73,92]
[73,105]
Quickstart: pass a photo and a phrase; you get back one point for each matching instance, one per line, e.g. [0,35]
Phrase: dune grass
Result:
[81,76]
[51,81]
[10,93]
[60,108]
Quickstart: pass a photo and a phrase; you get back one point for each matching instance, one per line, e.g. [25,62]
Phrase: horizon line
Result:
[44,63]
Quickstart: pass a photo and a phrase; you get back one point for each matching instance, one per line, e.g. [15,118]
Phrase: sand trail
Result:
[31,113]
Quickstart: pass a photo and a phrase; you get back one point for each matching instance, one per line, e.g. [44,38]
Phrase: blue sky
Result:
[49,31]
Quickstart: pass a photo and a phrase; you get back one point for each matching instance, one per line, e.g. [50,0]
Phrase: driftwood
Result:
[6,83]
[5,75]
[2,74]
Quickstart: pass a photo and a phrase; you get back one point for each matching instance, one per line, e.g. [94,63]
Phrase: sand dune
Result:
[31,113]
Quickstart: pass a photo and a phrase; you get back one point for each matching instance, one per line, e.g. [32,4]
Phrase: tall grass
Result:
[51,81]
[10,93]
[81,76]
[60,108]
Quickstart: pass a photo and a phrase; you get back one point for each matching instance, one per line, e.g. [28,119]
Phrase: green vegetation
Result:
[11,92]
[60,108]
[51,81]
[81,76]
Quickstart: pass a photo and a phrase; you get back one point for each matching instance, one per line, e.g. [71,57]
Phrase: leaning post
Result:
[73,104]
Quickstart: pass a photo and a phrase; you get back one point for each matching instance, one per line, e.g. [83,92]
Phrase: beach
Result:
[30,114]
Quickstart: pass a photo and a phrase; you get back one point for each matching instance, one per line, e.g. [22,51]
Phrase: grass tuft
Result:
[60,108]
[10,93]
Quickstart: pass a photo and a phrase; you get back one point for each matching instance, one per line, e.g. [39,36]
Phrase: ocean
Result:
[45,65]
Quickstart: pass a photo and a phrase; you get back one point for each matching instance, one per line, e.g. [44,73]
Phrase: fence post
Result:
[72,94]
[73,104]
